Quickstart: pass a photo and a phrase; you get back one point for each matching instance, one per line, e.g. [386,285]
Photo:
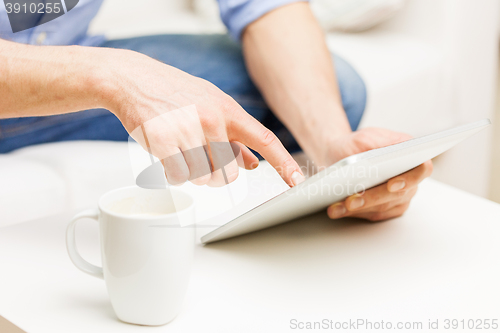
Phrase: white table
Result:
[440,261]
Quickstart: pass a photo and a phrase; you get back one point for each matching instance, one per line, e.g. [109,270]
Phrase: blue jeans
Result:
[215,58]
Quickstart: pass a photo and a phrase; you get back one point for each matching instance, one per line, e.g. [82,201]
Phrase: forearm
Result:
[288,59]
[47,80]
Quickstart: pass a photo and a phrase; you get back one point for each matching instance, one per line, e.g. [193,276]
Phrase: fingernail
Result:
[357,203]
[336,211]
[297,178]
[396,186]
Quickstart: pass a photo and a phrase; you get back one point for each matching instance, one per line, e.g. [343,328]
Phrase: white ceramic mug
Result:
[146,253]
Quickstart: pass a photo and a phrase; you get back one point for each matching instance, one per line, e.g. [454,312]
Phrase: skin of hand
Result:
[174,111]
[385,201]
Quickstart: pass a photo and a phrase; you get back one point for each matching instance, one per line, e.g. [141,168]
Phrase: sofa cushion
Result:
[29,189]
[87,168]
[354,15]
[408,81]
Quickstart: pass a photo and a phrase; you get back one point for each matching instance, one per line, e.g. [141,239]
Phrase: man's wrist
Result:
[319,129]
[102,78]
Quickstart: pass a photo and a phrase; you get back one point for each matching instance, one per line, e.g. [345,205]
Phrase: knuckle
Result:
[208,87]
[360,138]
[160,143]
[267,137]
[209,121]
[182,127]
[287,165]
[376,196]
[229,105]
[201,180]
[289,162]
[382,208]
[177,176]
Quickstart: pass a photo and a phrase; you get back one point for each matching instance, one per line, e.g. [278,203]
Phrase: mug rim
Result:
[139,217]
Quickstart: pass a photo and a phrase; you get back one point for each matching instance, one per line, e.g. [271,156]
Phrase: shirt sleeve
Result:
[237,14]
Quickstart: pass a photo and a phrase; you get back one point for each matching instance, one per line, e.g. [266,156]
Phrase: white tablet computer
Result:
[346,177]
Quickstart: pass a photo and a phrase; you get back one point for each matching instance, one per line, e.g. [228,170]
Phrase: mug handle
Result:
[75,257]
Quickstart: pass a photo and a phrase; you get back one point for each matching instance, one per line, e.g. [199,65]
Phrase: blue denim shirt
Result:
[71,28]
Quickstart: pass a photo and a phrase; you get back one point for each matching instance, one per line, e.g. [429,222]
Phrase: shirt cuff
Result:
[237,14]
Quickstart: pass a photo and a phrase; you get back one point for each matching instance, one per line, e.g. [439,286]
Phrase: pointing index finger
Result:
[253,134]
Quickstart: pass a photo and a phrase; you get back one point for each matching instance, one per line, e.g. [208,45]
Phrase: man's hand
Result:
[183,119]
[385,201]
[288,59]
[173,114]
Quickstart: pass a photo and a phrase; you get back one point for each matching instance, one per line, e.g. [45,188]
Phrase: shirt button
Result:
[41,38]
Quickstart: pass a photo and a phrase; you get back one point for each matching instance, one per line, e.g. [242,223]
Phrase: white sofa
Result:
[431,67]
